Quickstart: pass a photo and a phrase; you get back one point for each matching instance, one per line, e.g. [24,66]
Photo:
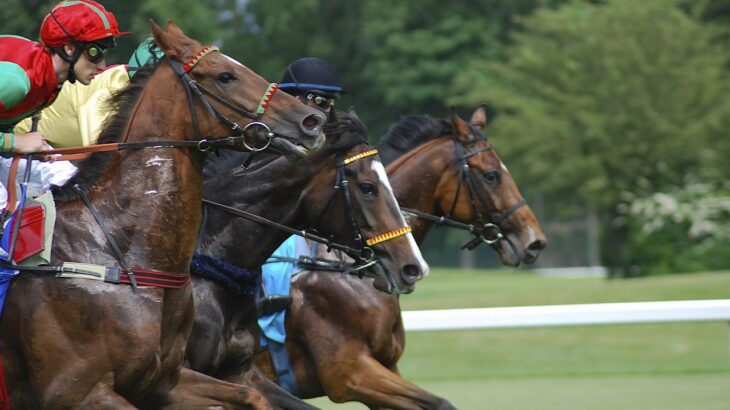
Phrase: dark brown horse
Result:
[225,335]
[344,339]
[82,343]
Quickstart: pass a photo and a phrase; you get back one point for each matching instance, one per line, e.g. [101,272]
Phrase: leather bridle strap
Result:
[364,254]
[465,177]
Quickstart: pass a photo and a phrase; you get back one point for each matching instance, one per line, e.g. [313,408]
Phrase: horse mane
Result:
[122,102]
[410,132]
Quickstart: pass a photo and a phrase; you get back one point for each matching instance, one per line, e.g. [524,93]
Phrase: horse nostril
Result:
[312,121]
[412,272]
[537,246]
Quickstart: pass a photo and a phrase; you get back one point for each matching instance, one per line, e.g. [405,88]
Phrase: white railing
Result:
[567,315]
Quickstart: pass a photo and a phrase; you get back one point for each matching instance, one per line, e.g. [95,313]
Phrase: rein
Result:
[144,277]
[484,232]
[194,89]
[364,254]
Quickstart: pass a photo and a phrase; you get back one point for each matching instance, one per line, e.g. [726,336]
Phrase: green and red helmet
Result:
[78,21]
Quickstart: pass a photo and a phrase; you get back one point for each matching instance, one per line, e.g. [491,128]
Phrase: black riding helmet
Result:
[314,75]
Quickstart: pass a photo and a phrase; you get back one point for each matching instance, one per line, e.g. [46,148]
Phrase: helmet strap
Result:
[70,59]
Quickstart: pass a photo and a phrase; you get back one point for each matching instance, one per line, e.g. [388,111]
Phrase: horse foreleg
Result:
[276,395]
[103,397]
[197,391]
[369,382]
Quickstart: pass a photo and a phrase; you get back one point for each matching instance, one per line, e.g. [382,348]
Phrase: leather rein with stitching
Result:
[145,277]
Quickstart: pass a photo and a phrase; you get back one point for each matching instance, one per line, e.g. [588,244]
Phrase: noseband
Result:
[485,232]
[342,183]
[195,89]
[191,87]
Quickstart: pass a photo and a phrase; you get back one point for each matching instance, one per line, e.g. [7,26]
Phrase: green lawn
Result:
[655,366]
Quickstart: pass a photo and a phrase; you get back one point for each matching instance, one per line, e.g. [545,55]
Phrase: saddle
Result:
[29,233]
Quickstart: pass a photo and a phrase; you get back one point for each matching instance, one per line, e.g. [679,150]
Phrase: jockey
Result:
[76,117]
[317,85]
[75,37]
[314,82]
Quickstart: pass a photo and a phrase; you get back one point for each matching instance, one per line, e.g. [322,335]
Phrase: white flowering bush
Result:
[684,229]
[701,207]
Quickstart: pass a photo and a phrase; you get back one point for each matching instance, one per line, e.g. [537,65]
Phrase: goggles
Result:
[95,52]
[319,101]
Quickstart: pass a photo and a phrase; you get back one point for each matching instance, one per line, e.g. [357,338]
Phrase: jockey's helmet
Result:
[147,53]
[311,75]
[77,22]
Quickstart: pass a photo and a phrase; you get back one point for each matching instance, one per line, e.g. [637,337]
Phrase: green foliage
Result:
[686,229]
[602,100]
[22,17]
[598,100]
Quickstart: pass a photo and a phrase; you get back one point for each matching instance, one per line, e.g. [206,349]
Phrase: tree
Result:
[601,100]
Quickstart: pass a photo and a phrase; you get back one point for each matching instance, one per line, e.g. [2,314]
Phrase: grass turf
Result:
[662,366]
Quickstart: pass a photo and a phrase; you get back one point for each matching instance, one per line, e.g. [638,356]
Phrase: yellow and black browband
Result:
[361,155]
[383,236]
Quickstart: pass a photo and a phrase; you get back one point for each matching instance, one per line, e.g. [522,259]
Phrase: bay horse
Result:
[82,343]
[299,195]
[344,339]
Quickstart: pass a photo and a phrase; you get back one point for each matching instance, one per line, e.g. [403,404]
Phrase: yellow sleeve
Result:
[57,120]
[23,126]
[76,117]
[95,110]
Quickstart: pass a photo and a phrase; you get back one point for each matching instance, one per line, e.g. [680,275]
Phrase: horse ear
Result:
[461,129]
[479,117]
[174,29]
[165,40]
[351,111]
[332,116]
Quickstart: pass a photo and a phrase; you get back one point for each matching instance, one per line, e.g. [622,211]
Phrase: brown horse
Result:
[344,339]
[81,343]
[300,195]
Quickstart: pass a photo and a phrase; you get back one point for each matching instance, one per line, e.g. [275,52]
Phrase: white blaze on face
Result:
[378,168]
[504,167]
[233,60]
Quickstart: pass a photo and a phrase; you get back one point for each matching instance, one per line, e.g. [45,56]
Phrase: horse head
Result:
[479,190]
[370,217]
[227,99]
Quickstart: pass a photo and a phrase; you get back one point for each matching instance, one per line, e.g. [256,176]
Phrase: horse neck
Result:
[153,191]
[416,177]
[275,195]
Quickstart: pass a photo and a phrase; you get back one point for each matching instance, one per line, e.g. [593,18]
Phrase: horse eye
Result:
[225,78]
[492,177]
[367,188]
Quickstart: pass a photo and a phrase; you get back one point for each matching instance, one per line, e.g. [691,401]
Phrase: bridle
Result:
[364,256]
[149,277]
[342,184]
[488,232]
[194,89]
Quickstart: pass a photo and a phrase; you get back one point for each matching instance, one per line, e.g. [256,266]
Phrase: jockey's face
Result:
[88,66]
